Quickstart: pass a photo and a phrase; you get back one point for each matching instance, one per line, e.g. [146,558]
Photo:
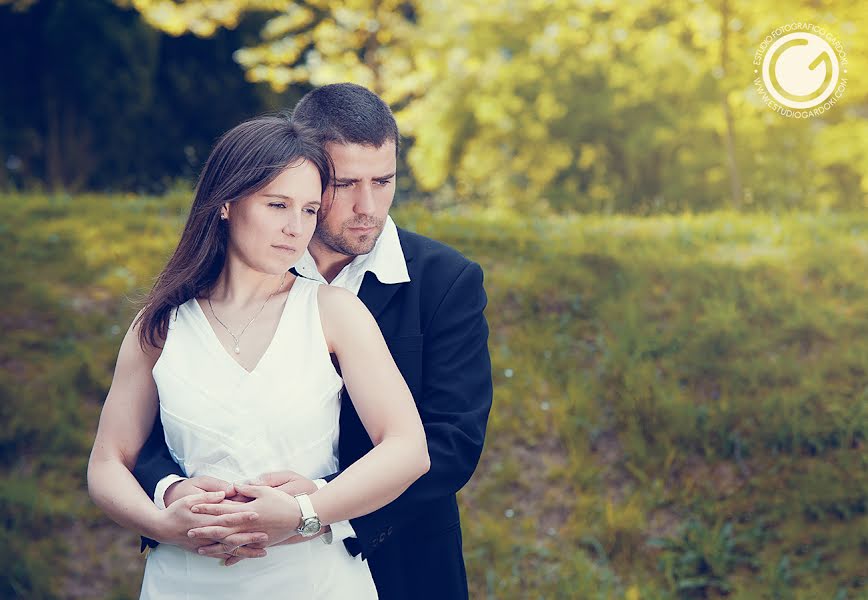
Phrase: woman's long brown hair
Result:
[245,159]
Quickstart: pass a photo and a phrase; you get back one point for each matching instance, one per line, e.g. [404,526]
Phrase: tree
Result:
[589,104]
[95,98]
[635,106]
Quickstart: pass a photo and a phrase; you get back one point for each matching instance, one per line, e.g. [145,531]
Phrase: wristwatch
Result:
[310,523]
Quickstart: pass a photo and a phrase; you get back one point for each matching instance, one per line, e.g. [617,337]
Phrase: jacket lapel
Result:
[376,295]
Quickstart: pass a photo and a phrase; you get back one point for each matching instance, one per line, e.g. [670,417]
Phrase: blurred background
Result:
[676,273]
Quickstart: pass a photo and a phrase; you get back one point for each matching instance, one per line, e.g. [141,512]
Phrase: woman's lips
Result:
[282,248]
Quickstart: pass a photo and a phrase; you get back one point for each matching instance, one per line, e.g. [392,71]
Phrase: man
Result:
[428,301]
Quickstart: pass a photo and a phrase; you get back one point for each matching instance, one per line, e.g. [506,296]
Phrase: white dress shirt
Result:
[386,261]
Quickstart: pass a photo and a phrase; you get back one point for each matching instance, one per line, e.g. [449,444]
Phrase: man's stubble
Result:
[344,243]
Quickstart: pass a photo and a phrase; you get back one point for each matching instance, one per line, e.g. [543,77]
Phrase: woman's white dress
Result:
[223,421]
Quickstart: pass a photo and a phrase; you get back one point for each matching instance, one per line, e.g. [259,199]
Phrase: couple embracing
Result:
[307,386]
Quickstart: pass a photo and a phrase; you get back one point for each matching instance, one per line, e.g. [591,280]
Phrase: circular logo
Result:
[800,70]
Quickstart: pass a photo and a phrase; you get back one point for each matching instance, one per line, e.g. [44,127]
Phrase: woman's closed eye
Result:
[310,210]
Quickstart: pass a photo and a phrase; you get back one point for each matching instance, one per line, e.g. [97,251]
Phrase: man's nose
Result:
[364,204]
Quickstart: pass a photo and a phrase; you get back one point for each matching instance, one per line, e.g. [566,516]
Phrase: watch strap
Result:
[305,505]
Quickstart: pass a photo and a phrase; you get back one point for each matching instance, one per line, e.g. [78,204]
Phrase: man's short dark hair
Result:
[347,113]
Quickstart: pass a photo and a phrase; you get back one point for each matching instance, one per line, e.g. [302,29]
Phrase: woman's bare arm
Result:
[125,422]
[385,406]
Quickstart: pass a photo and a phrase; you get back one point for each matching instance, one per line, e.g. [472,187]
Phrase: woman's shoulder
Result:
[136,347]
[342,314]
[333,298]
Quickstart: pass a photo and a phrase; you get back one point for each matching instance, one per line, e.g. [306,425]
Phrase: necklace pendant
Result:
[237,350]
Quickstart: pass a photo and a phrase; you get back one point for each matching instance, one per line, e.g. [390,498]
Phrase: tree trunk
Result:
[4,176]
[53,150]
[369,53]
[732,163]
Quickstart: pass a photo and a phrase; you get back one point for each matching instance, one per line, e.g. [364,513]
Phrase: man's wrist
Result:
[163,487]
[342,530]
[327,535]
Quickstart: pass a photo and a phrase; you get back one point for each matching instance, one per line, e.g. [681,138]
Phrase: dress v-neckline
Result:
[216,339]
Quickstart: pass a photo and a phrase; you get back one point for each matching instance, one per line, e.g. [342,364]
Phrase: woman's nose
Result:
[293,225]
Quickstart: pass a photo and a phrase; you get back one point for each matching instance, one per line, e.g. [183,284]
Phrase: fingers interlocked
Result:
[223,530]
[238,546]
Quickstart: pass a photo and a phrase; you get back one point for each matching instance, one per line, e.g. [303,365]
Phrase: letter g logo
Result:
[800,70]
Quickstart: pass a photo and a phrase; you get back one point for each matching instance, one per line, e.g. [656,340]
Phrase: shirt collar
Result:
[386,260]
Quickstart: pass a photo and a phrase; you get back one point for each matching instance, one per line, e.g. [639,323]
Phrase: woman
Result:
[234,351]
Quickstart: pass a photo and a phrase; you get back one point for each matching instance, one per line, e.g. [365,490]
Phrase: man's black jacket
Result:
[437,333]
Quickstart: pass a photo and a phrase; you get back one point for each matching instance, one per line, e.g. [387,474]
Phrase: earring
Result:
[223,217]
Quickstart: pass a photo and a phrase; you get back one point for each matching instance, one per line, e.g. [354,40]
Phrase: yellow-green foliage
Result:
[645,106]
[680,402]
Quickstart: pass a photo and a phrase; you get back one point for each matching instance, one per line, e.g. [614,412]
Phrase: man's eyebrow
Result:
[357,180]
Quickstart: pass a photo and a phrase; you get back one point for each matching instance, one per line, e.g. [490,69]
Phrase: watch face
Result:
[310,526]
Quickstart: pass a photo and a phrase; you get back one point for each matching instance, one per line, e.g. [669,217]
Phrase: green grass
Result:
[680,405]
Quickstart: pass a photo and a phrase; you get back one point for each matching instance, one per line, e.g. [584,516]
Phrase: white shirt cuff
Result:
[342,529]
[162,486]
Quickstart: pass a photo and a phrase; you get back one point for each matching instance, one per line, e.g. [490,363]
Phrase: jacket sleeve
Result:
[454,405]
[153,464]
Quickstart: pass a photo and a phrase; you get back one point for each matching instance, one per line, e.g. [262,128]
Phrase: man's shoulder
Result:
[427,252]
[436,270]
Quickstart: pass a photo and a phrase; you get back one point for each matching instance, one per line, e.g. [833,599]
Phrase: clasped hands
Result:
[232,522]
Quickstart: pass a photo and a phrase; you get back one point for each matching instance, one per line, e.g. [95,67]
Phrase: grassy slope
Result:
[680,405]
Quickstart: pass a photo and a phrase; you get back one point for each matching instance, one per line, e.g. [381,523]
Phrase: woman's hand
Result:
[176,521]
[278,517]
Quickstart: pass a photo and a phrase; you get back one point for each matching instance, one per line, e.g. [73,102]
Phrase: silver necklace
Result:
[237,338]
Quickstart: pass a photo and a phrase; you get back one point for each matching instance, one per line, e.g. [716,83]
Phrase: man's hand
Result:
[278,517]
[230,541]
[289,482]
[178,519]
[197,485]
